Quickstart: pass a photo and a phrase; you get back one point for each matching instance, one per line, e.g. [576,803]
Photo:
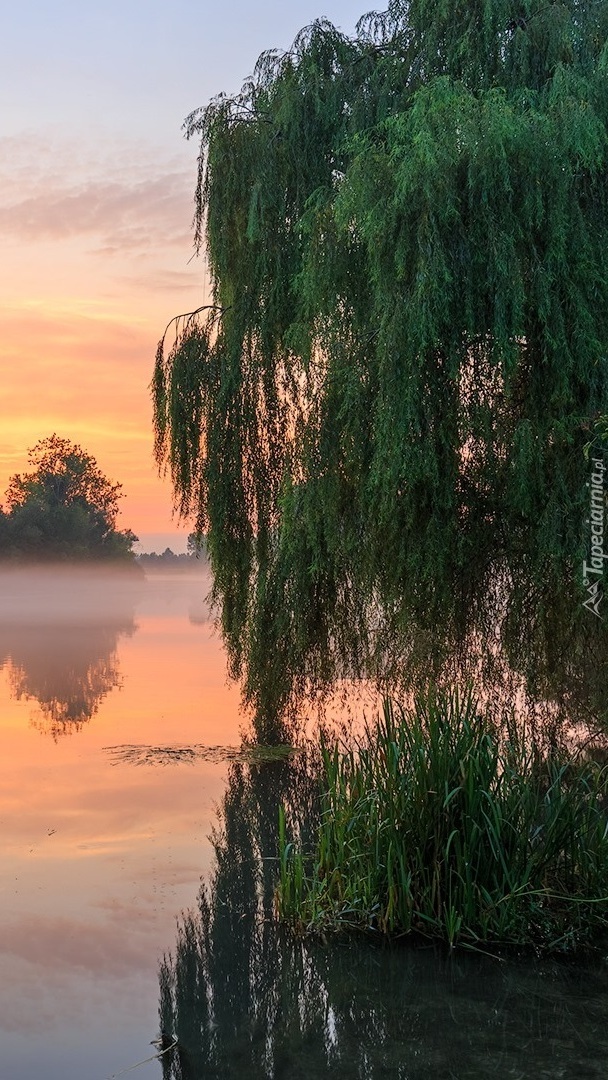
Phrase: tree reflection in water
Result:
[68,672]
[243,998]
[59,632]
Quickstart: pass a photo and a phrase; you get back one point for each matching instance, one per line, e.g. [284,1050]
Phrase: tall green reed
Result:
[437,822]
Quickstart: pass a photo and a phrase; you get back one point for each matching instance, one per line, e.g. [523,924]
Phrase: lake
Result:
[120,738]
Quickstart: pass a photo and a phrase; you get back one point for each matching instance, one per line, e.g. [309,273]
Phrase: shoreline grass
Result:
[434,822]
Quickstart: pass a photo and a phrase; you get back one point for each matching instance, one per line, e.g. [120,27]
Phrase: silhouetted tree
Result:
[195,544]
[63,508]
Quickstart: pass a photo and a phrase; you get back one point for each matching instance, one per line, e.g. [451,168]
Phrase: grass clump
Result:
[437,822]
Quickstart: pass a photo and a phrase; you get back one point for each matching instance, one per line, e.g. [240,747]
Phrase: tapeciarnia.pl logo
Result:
[593,571]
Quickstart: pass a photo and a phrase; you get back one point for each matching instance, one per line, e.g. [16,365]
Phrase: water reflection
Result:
[243,998]
[59,631]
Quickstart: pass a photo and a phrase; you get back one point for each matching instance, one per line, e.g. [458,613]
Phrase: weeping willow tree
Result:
[380,421]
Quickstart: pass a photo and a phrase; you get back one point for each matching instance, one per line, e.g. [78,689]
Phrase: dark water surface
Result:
[364,1012]
[119,753]
[242,998]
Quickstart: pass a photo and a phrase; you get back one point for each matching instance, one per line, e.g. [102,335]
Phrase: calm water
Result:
[105,832]
[98,856]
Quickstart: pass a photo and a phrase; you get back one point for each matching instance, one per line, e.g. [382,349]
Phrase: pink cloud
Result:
[127,215]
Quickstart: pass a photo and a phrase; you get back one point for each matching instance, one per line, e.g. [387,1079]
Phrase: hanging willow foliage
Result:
[380,422]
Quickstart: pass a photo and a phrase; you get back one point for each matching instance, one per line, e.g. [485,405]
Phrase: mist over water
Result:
[68,594]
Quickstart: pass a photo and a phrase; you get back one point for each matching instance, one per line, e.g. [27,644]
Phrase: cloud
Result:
[130,216]
[170,281]
[127,196]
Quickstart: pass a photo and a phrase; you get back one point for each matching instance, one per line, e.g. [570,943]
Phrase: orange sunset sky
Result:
[96,201]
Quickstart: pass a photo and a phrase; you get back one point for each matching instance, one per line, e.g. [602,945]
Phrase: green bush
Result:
[437,822]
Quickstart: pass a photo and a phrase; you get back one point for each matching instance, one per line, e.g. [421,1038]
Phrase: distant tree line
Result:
[63,508]
[195,549]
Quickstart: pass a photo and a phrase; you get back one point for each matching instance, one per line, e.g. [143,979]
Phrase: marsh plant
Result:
[439,822]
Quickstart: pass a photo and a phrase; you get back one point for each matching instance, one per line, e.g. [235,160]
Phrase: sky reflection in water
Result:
[101,852]
[98,857]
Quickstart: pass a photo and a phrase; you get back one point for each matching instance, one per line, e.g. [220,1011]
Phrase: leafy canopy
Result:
[379,422]
[63,507]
